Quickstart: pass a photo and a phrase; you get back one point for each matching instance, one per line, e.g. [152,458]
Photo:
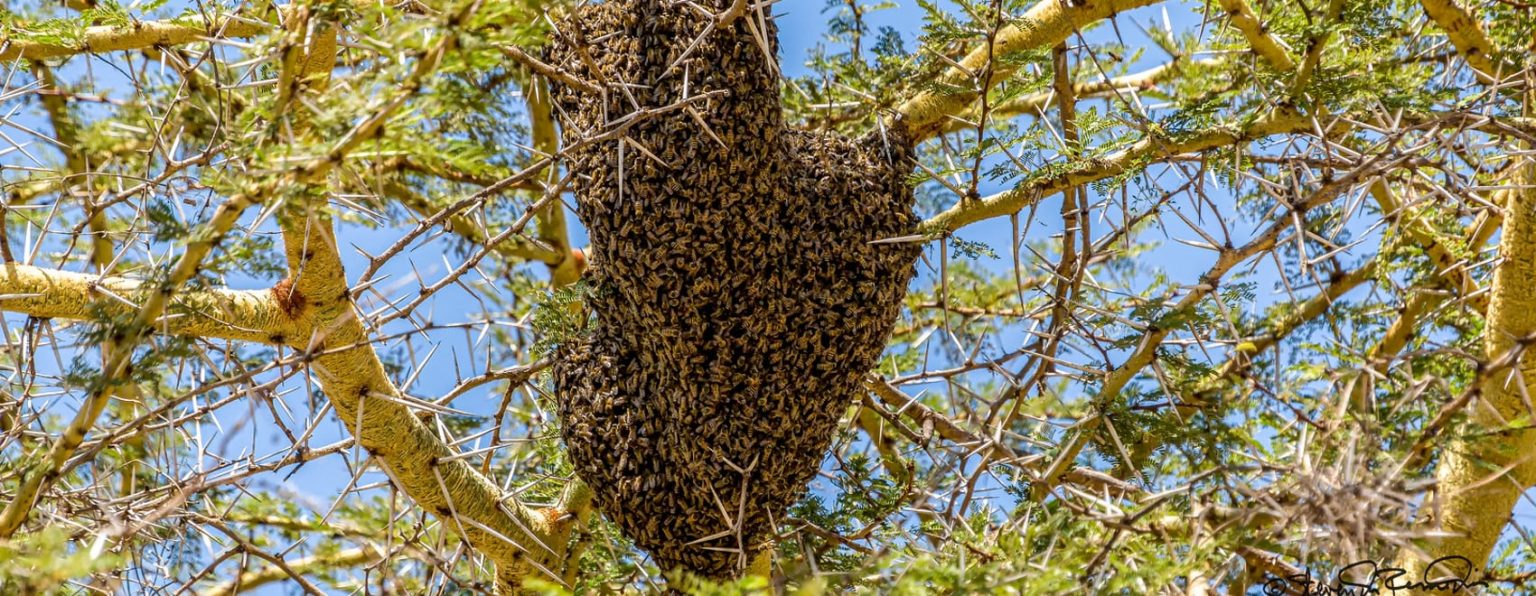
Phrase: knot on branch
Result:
[288,297]
[738,288]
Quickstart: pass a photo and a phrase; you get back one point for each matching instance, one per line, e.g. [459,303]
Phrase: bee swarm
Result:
[738,297]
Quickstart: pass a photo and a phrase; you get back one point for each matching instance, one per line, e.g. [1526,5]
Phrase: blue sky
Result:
[801,23]
[243,429]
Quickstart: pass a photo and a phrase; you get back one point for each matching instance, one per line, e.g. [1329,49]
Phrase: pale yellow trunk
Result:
[1482,475]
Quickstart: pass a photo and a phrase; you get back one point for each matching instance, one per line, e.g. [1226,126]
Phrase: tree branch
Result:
[468,229]
[136,36]
[66,129]
[1118,377]
[1045,24]
[566,267]
[1265,45]
[1094,169]
[368,402]
[1153,147]
[42,472]
[516,538]
[242,315]
[1035,104]
[250,580]
[926,418]
[1482,475]
[1468,37]
[1452,276]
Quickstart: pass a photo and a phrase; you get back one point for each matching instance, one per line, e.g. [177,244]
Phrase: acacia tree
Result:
[1176,308]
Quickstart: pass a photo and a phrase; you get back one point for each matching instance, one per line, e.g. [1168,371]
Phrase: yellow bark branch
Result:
[1482,474]
[250,580]
[1433,243]
[135,36]
[1153,148]
[520,541]
[1094,169]
[1265,45]
[1314,53]
[1146,348]
[1468,37]
[1045,24]
[66,132]
[242,315]
[42,472]
[1035,104]
[566,267]
[1243,354]
[466,228]
[941,425]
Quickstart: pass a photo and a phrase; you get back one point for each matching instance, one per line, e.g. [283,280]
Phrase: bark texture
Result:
[1482,475]
[737,294]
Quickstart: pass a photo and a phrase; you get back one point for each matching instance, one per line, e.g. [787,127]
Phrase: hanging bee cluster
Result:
[737,293]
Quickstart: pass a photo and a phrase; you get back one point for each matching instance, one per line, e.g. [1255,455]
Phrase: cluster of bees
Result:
[738,287]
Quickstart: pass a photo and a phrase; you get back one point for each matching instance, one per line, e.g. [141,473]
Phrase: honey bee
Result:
[746,299]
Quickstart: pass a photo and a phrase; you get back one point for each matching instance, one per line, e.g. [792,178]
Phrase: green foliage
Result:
[1214,426]
[971,250]
[559,317]
[694,585]
[41,562]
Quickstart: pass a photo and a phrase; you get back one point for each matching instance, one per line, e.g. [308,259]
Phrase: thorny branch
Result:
[1308,179]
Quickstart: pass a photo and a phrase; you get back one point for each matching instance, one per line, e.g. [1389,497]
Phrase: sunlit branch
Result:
[342,559]
[1094,169]
[516,538]
[1315,46]
[1068,271]
[900,404]
[438,170]
[1244,353]
[1402,329]
[1152,338]
[44,471]
[1046,23]
[1155,148]
[463,226]
[565,267]
[243,315]
[136,36]
[66,130]
[1449,274]
[1294,317]
[1467,35]
[1035,104]
[1482,475]
[1259,38]
[1452,275]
